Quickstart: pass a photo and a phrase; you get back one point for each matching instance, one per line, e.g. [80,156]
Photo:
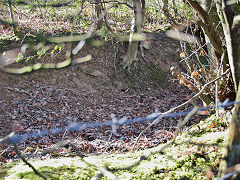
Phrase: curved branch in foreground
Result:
[29,164]
[45,5]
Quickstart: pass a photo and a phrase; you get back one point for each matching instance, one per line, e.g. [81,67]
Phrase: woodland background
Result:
[71,66]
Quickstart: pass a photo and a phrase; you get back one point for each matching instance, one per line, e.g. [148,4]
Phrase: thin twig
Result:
[216,83]
[177,107]
[186,119]
[26,162]
[18,90]
[194,52]
[180,125]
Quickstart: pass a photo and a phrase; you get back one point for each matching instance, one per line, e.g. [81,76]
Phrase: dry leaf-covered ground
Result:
[91,92]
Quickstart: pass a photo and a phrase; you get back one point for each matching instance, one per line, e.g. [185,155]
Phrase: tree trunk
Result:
[232,150]
[210,8]
[231,27]
[137,24]
[231,32]
[167,14]
[98,11]
[12,17]
[210,31]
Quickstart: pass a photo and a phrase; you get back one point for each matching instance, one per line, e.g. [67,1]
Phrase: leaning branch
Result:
[207,26]
[26,162]
[180,125]
[177,107]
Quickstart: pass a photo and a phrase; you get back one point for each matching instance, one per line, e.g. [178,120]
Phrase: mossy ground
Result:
[191,154]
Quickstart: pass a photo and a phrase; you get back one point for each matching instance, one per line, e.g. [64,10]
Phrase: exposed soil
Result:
[91,92]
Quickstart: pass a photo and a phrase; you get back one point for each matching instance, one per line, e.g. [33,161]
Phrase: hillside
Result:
[91,92]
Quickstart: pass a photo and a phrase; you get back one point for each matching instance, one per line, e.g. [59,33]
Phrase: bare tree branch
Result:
[26,162]
[177,107]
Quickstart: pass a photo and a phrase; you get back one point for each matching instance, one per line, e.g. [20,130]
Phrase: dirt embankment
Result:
[91,92]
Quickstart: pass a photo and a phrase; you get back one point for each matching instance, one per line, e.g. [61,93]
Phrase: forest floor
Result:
[97,91]
[88,92]
[91,92]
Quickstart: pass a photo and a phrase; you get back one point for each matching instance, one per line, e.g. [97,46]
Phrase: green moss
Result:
[182,160]
[62,172]
[197,133]
[3,173]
